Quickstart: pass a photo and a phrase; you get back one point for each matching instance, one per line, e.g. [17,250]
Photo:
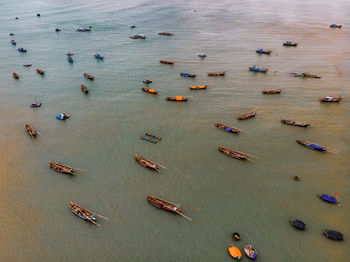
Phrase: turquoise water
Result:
[256,199]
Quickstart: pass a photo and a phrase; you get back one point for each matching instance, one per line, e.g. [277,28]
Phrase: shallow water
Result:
[256,199]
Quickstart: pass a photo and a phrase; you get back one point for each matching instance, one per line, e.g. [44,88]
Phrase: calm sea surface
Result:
[256,199]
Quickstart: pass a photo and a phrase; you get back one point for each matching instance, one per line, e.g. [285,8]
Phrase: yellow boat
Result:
[235,252]
[198,87]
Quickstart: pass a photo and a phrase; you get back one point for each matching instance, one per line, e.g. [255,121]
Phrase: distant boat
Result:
[167,62]
[331,98]
[38,14]
[333,234]
[137,37]
[69,54]
[147,81]
[70,59]
[15,75]
[133,26]
[27,65]
[335,26]
[84,89]
[247,115]
[13,42]
[272,91]
[35,104]
[250,251]
[298,224]
[257,69]
[311,145]
[90,77]
[98,56]
[84,29]
[227,128]
[63,116]
[22,50]
[58,30]
[177,98]
[290,43]
[262,51]
[216,74]
[235,252]
[40,72]
[165,33]
[294,123]
[329,199]
[198,87]
[202,55]
[149,90]
[187,75]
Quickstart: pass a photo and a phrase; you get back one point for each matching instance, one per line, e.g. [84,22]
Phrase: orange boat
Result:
[149,90]
[91,77]
[40,72]
[198,87]
[15,75]
[216,74]
[165,33]
[167,62]
[235,252]
[247,115]
[176,98]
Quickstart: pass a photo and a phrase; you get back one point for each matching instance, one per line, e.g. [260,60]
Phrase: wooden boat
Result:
[22,50]
[31,131]
[250,251]
[247,115]
[167,62]
[27,65]
[217,74]
[149,90]
[84,89]
[227,128]
[147,81]
[235,252]
[333,234]
[233,153]
[137,37]
[257,69]
[63,116]
[36,104]
[63,169]
[84,213]
[294,123]
[262,51]
[40,72]
[15,75]
[165,33]
[198,87]
[305,75]
[88,76]
[298,224]
[187,75]
[316,147]
[236,236]
[272,91]
[328,198]
[98,56]
[150,138]
[147,163]
[335,26]
[177,98]
[166,205]
[331,98]
[290,43]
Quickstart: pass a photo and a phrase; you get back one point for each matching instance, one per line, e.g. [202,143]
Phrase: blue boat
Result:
[262,51]
[202,55]
[13,42]
[187,75]
[335,26]
[257,69]
[311,145]
[70,59]
[98,56]
[62,116]
[21,49]
[329,199]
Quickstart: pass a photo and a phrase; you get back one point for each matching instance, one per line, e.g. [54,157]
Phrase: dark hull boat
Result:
[298,224]
[233,153]
[227,128]
[63,169]
[331,99]
[290,43]
[147,81]
[165,33]
[272,91]
[333,234]
[36,104]
[198,87]
[257,69]
[311,145]
[137,37]
[149,90]
[84,89]
[335,26]
[167,62]
[262,51]
[88,76]
[294,123]
[217,74]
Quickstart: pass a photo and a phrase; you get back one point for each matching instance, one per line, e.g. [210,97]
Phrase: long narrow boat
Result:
[187,75]
[147,81]
[257,69]
[217,74]
[272,91]
[177,98]
[84,213]
[40,72]
[328,198]
[333,234]
[298,224]
[250,251]
[165,33]
[263,51]
[31,131]
[335,26]
[233,153]
[311,145]
[247,115]
[167,62]
[88,76]
[84,89]
[63,169]
[331,99]
[198,87]
[150,90]
[235,252]
[227,128]
[166,205]
[288,43]
[36,104]
[147,163]
[294,123]
[15,75]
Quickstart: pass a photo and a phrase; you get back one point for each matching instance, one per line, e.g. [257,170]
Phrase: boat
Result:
[36,104]
[187,75]
[305,75]
[27,65]
[331,98]
[150,138]
[235,252]
[31,131]
[85,214]
[137,37]
[294,123]
[166,205]
[202,55]
[133,26]
[63,116]
[22,50]
[40,72]
[247,115]
[15,75]
[333,234]
[149,90]
[311,145]
[262,51]
[58,30]
[335,26]
[165,33]
[11,34]
[233,153]
[288,43]
[227,128]
[177,98]
[167,62]
[257,69]
[329,199]
[70,59]
[298,224]
[84,29]
[90,77]
[69,54]
[198,87]
[84,89]
[63,169]
[236,236]
[37,14]
[272,91]
[147,163]
[147,81]
[216,74]
[13,42]
[98,56]
[250,251]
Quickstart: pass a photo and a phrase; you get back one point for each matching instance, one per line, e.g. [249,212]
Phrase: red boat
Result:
[91,77]
[40,72]
[331,98]
[15,75]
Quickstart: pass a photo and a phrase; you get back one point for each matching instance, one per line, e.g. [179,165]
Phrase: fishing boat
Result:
[272,91]
[133,26]
[84,213]
[69,54]
[198,87]
[58,30]
[298,224]
[166,205]
[15,75]
[38,15]
[331,98]
[63,169]
[177,98]
[235,252]
[84,89]
[147,163]
[27,65]
[98,56]
[31,131]
[202,55]
[11,34]
[216,74]
[257,69]
[333,234]
[329,199]
[233,153]
[149,90]
[36,104]
[147,81]
[70,59]
[90,77]
[167,62]
[250,251]
[311,145]
[227,128]
[236,236]
[335,26]
[150,138]
[13,42]
[187,75]
[294,123]
[165,33]
[22,50]
[137,37]
[288,43]
[305,75]
[262,51]
[84,29]
[40,72]
[247,115]
[62,116]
